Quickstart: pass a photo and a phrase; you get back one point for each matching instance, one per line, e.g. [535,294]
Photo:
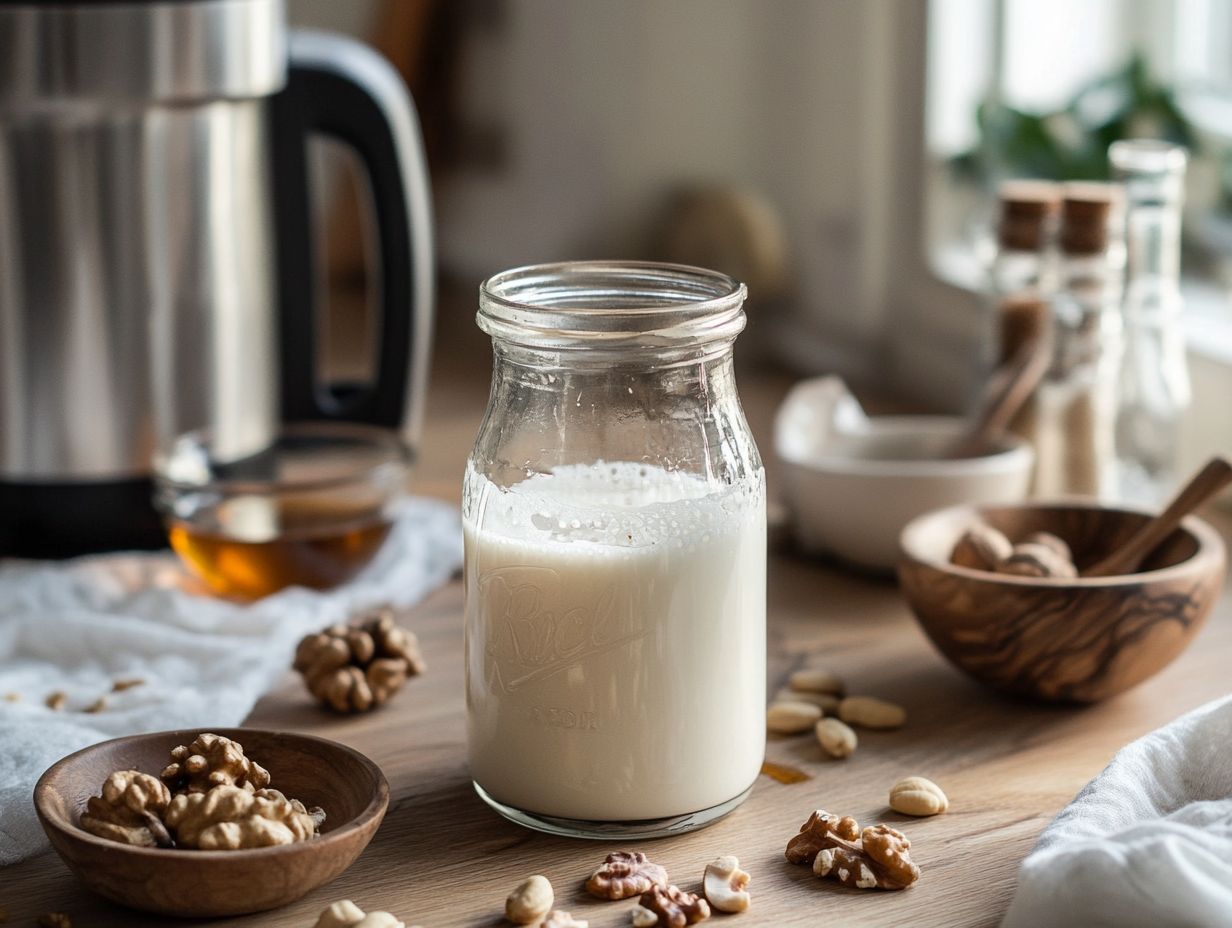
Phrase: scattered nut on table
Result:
[826,702]
[559,919]
[357,668]
[12,697]
[791,718]
[878,857]
[129,810]
[918,796]
[816,680]
[836,737]
[623,874]
[126,683]
[230,818]
[55,702]
[530,901]
[346,914]
[212,760]
[342,914]
[726,885]
[870,712]
[981,547]
[673,907]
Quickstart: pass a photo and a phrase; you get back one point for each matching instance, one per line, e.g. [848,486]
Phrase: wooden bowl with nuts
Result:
[999,591]
[187,880]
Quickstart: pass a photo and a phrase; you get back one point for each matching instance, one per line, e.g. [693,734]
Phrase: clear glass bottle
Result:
[1021,273]
[615,531]
[1021,262]
[1155,387]
[1074,408]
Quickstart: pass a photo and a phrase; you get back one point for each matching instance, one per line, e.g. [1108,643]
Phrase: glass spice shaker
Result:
[1075,405]
[1021,274]
[1022,262]
[615,529]
[1155,386]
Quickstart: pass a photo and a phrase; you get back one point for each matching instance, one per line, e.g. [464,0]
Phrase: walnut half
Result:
[726,886]
[212,760]
[876,858]
[624,874]
[230,818]
[129,810]
[674,907]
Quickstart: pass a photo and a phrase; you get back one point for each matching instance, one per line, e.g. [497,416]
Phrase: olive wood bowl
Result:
[348,786]
[1069,640]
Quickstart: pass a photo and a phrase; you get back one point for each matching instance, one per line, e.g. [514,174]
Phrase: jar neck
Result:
[604,312]
[648,361]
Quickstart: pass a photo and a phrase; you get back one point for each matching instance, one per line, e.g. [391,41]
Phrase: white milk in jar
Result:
[615,649]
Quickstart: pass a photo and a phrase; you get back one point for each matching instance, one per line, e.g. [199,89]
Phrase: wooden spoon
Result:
[1009,387]
[1126,559]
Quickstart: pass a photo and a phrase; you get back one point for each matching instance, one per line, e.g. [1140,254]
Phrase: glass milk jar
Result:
[615,522]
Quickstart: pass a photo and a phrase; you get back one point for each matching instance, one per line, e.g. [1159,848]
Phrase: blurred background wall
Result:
[839,156]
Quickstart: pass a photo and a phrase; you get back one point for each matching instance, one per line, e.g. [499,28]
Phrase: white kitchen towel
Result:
[77,626]
[1146,843]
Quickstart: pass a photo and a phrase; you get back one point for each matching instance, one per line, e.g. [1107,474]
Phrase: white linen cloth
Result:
[77,626]
[1148,842]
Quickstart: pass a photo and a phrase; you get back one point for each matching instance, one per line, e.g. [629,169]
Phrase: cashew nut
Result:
[917,796]
[981,547]
[1036,560]
[725,885]
[1049,540]
[826,702]
[791,718]
[870,712]
[530,901]
[342,914]
[836,737]
[816,680]
[379,920]
[346,914]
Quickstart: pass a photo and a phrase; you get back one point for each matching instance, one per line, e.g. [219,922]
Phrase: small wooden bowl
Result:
[348,786]
[1077,640]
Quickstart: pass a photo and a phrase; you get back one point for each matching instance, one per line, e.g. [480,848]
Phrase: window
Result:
[1041,87]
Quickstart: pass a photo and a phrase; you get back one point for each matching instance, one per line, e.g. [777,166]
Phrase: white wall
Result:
[606,106]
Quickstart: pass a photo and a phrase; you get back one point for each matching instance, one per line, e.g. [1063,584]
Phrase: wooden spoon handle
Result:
[1126,559]
[1010,386]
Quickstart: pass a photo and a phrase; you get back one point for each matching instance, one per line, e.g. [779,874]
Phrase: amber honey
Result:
[295,545]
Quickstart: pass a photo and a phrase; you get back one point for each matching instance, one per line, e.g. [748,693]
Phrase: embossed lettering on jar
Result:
[614,518]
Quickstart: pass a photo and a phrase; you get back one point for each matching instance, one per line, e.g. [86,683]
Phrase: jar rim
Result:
[615,303]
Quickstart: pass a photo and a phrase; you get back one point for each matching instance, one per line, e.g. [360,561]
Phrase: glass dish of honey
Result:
[309,508]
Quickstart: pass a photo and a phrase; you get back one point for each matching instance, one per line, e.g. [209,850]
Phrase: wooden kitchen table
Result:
[442,858]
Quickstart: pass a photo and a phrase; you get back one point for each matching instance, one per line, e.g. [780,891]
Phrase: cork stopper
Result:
[1024,318]
[1087,210]
[1027,210]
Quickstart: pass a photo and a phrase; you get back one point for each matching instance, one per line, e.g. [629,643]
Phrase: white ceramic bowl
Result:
[851,496]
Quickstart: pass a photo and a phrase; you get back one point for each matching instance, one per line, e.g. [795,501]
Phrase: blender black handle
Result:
[341,88]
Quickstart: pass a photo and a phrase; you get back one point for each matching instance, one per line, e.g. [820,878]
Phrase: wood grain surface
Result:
[441,858]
